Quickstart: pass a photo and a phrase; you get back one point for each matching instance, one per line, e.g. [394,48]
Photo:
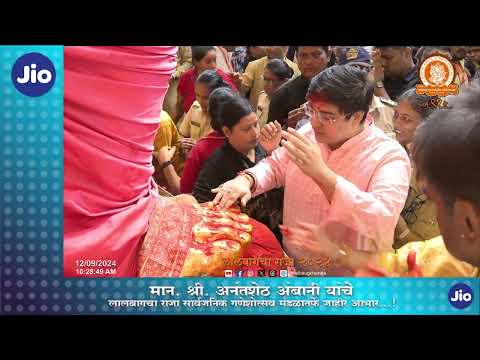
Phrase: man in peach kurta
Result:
[339,170]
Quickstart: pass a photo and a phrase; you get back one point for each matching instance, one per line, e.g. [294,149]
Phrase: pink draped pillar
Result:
[113,99]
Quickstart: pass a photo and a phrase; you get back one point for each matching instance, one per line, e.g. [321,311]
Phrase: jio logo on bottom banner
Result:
[33,74]
[460,296]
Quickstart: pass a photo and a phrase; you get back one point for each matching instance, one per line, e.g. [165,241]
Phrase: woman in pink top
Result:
[339,171]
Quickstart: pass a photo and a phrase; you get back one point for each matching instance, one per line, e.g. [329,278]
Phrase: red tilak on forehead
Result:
[320,97]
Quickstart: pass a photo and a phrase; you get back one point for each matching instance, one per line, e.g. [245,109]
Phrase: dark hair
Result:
[211,79]
[446,147]
[215,102]
[419,103]
[344,86]
[199,52]
[433,49]
[280,69]
[233,109]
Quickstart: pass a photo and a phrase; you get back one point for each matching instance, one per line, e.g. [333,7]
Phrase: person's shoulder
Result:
[187,74]
[217,159]
[222,73]
[219,154]
[185,78]
[165,117]
[282,91]
[297,81]
[256,63]
[377,135]
[208,141]
[227,78]
[292,64]
[389,145]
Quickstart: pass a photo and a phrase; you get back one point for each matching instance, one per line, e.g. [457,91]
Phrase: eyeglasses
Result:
[311,112]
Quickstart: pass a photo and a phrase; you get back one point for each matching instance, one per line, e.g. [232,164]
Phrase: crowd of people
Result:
[333,149]
[315,135]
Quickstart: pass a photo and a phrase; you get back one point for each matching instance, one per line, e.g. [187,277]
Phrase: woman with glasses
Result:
[276,73]
[418,220]
[339,171]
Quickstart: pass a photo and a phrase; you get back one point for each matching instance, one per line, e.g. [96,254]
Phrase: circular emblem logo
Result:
[436,71]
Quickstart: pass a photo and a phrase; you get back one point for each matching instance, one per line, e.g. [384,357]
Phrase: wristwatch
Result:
[379,84]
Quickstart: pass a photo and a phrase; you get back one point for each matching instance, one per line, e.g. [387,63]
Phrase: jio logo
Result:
[33,74]
[460,296]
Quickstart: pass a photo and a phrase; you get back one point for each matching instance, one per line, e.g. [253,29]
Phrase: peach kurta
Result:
[372,186]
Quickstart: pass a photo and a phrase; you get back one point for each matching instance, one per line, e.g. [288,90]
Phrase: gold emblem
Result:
[437,74]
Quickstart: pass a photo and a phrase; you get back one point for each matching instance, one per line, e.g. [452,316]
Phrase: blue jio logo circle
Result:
[33,74]
[460,296]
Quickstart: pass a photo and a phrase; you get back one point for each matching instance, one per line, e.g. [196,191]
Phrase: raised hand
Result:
[304,153]
[270,136]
